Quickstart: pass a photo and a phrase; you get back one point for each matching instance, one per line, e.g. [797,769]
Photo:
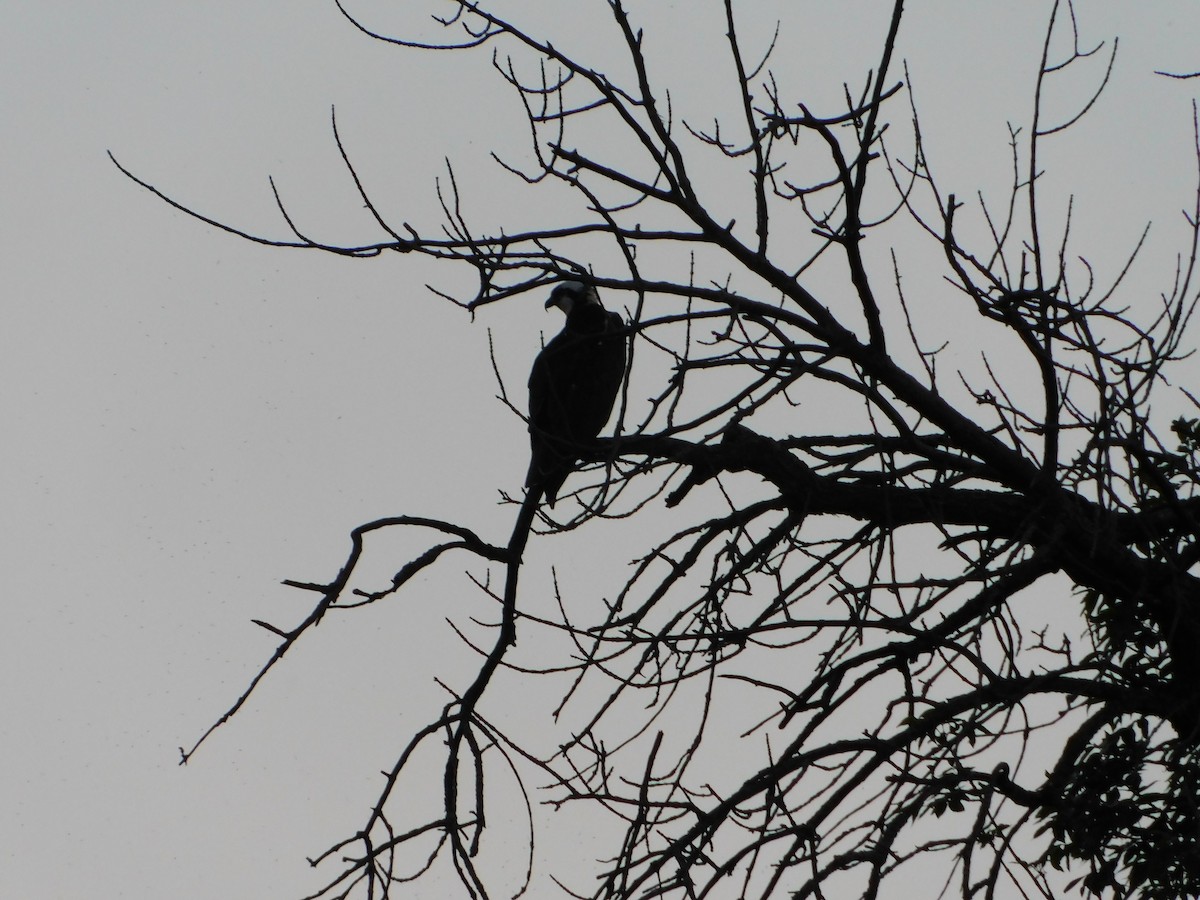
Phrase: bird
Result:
[573,385]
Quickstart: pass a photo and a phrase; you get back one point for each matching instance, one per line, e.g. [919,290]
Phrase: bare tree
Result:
[836,671]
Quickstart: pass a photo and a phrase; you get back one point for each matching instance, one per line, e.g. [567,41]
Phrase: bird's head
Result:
[571,294]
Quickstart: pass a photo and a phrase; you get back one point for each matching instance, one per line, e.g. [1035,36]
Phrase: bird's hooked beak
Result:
[563,298]
[570,294]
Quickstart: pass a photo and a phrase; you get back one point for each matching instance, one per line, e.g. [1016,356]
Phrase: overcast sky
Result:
[190,418]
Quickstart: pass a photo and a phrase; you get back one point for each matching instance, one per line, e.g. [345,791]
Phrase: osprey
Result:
[573,384]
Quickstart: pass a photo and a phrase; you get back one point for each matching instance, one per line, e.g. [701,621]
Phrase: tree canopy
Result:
[914,593]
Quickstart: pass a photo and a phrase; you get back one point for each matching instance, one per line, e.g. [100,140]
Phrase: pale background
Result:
[190,418]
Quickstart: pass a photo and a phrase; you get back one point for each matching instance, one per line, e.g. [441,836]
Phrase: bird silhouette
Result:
[573,385]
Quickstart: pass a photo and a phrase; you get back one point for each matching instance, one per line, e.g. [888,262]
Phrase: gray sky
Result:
[192,418]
